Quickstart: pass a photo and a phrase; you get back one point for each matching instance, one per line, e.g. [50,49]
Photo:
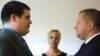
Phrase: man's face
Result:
[24,22]
[81,26]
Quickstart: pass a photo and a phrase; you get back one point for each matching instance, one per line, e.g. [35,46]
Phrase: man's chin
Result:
[25,33]
[81,38]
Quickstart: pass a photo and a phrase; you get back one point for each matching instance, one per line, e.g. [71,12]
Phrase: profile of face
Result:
[54,38]
[24,22]
[81,26]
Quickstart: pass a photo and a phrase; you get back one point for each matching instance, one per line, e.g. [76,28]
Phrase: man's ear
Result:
[13,18]
[90,25]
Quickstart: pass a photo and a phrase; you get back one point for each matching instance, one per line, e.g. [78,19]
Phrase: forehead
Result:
[26,12]
[53,33]
[81,17]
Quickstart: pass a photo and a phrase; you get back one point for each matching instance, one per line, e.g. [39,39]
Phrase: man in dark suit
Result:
[88,29]
[15,17]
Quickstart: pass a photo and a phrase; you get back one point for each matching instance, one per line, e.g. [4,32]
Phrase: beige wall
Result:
[59,14]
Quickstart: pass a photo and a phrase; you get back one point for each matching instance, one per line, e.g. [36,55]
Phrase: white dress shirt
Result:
[88,40]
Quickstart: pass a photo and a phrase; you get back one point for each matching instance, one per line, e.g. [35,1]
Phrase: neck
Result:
[53,50]
[92,33]
[11,26]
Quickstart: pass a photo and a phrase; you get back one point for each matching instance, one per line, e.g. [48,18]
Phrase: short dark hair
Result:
[12,7]
[94,15]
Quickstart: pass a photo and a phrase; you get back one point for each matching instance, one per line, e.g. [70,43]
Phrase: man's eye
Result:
[28,17]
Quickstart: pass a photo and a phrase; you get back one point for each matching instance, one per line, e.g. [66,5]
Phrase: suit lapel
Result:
[19,43]
[82,49]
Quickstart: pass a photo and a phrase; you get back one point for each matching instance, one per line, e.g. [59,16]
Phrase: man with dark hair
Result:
[88,29]
[15,17]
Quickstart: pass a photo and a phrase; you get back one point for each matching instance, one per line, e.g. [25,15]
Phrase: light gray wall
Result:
[59,14]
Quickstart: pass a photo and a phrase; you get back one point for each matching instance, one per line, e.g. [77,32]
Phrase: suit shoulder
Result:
[4,37]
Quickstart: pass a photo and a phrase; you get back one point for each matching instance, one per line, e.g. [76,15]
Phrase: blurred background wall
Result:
[54,14]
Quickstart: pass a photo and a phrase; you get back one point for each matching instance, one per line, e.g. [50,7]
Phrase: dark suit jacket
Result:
[90,49]
[11,46]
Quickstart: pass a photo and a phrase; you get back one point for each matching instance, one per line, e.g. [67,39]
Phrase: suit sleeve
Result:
[5,48]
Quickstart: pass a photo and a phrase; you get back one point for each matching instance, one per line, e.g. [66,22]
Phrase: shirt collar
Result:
[19,37]
[91,38]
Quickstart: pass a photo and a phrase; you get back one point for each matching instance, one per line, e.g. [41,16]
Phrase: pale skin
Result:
[84,27]
[53,40]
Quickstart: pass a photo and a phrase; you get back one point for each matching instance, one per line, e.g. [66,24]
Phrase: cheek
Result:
[79,29]
[82,29]
[49,41]
[81,25]
[57,42]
